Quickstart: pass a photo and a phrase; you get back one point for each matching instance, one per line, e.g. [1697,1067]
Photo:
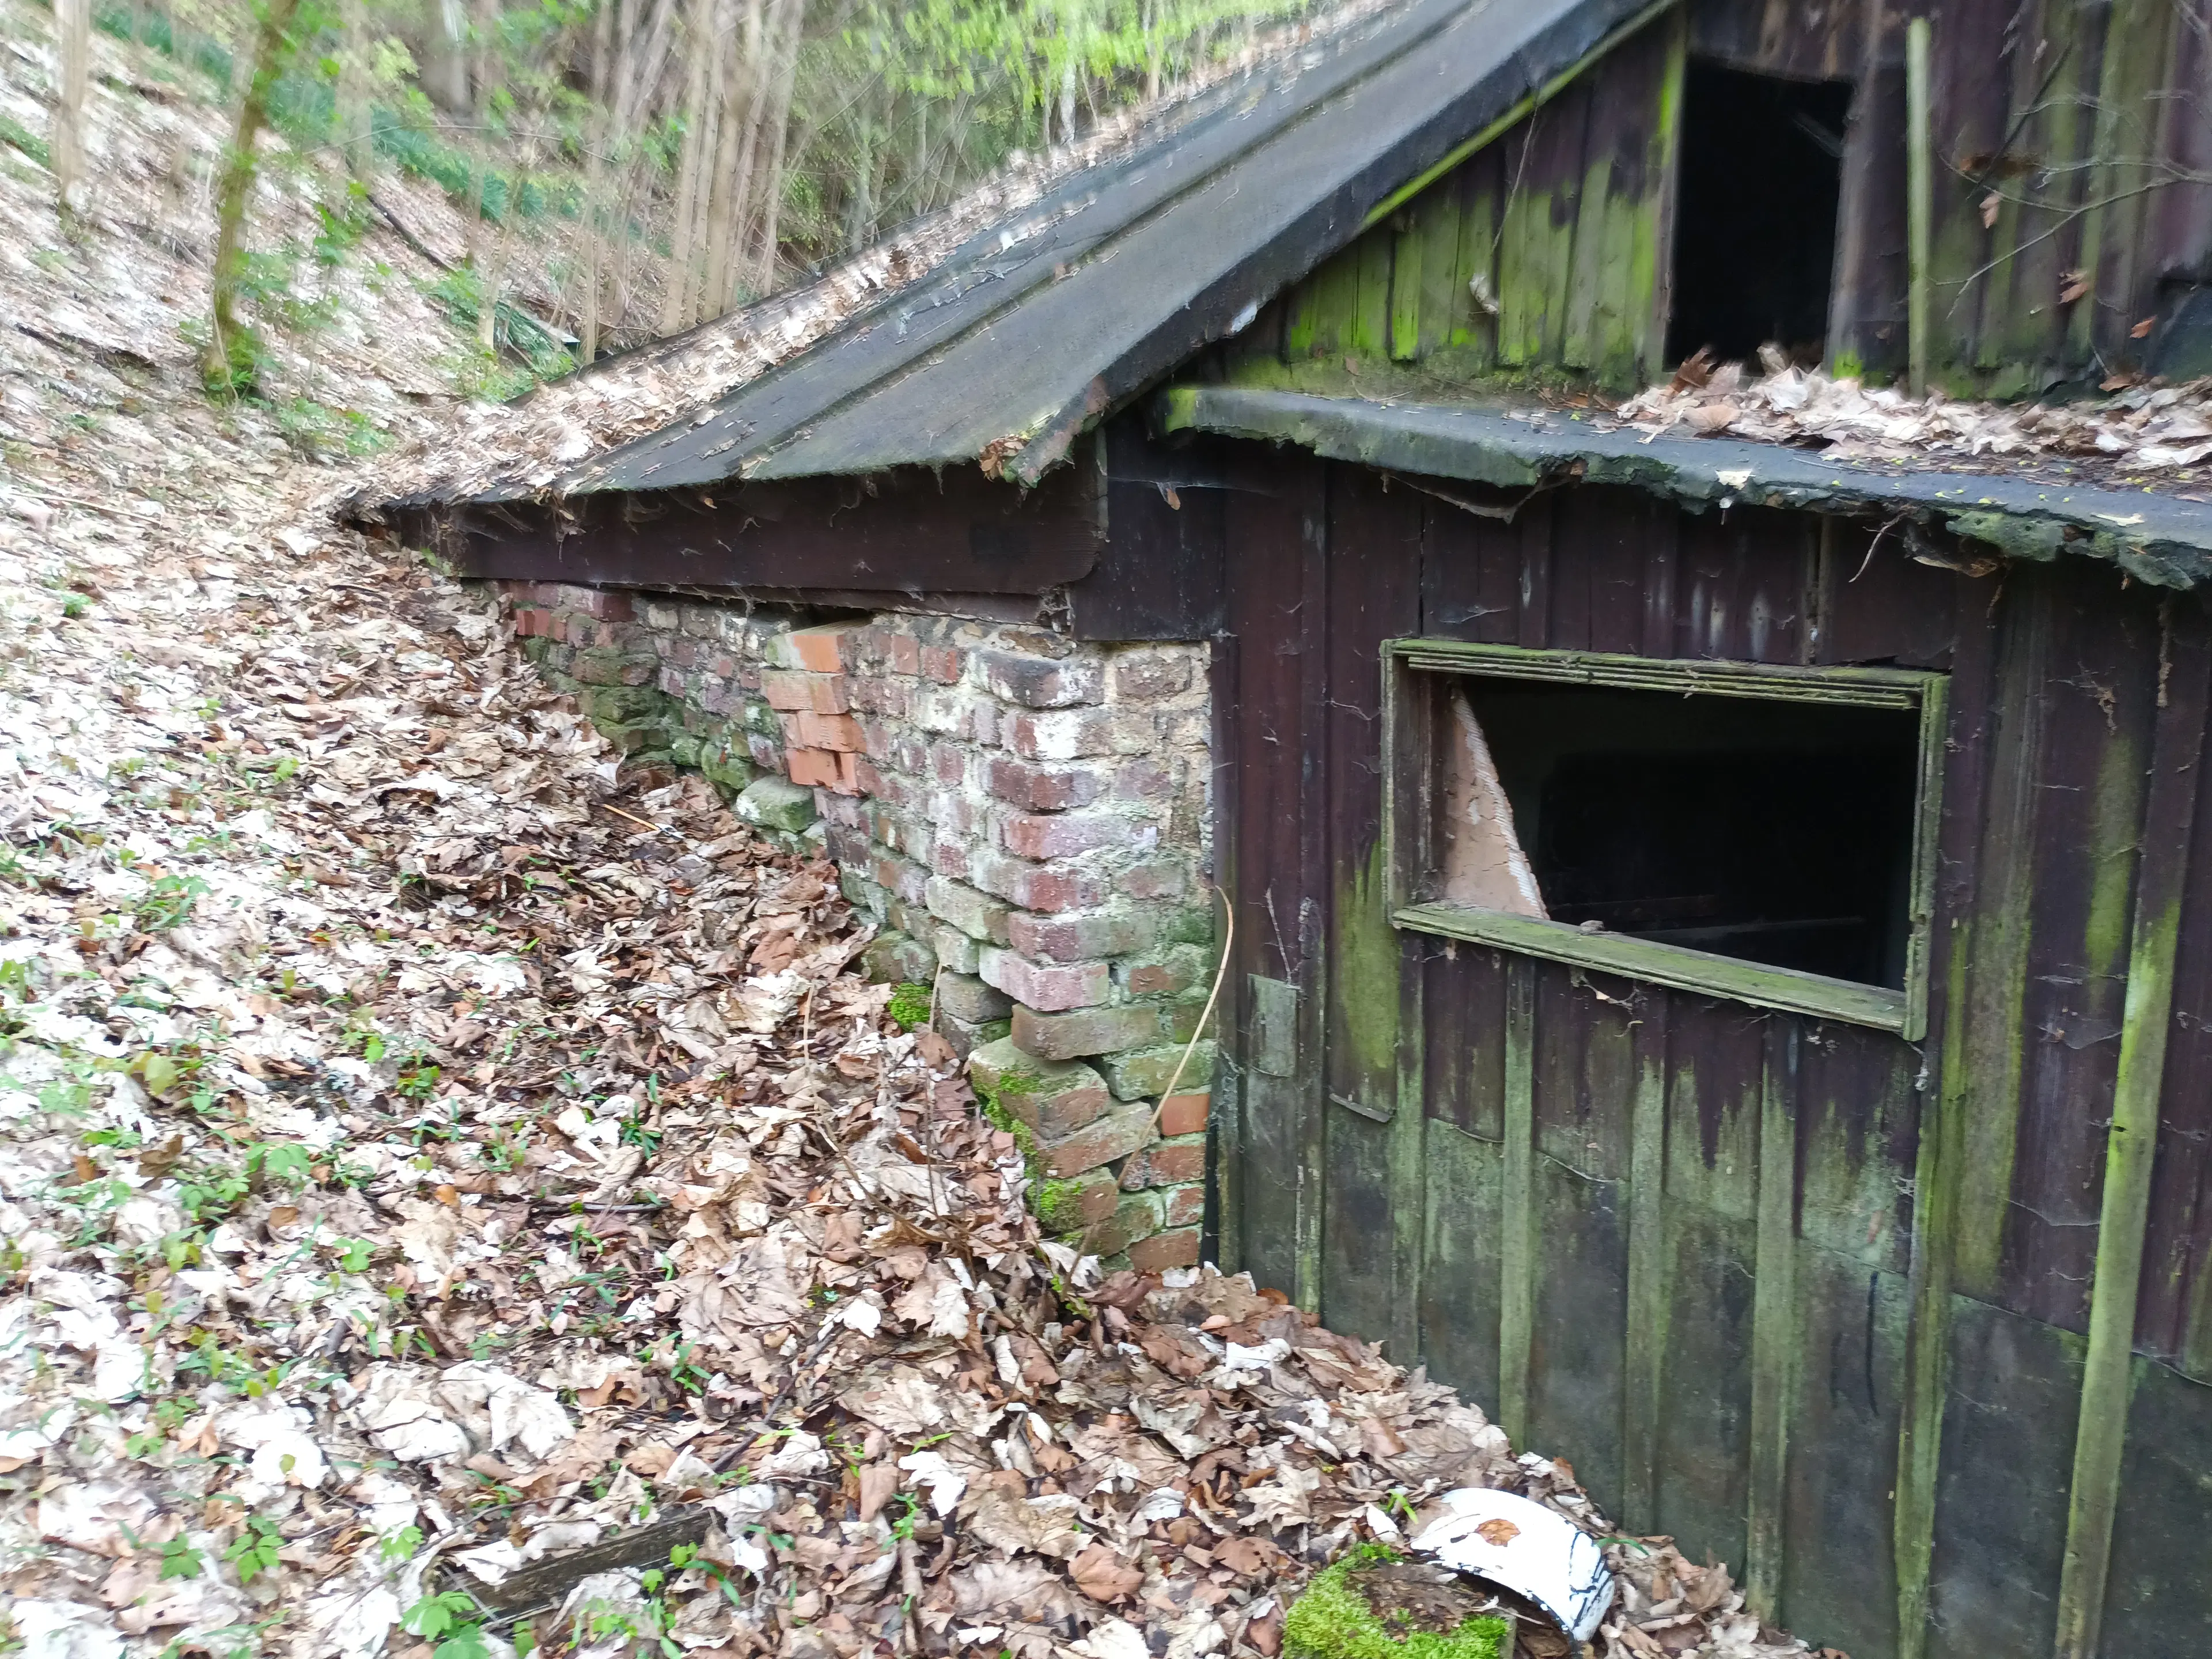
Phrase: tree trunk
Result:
[73,25]
[227,365]
[355,116]
[600,141]
[683,232]
[725,205]
[791,16]
[487,88]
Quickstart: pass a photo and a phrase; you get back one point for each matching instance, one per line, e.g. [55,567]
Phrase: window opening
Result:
[1761,175]
[1751,831]
[1778,833]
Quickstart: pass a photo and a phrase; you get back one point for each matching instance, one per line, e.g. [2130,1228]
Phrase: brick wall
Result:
[1025,818]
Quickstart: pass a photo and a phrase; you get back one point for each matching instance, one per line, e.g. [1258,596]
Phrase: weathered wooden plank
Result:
[1473,328]
[1371,1232]
[1775,1325]
[1516,1239]
[1645,1341]
[2168,818]
[1464,1179]
[1584,1071]
[1368,335]
[2161,1577]
[1410,236]
[2141,36]
[1535,257]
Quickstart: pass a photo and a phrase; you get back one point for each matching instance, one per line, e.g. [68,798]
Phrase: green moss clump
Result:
[1333,1620]
[909,1005]
[1057,1205]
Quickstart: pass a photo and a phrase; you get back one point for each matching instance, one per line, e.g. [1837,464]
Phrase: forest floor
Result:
[457,1193]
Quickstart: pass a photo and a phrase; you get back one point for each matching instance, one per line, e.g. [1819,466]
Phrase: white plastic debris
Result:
[1534,1552]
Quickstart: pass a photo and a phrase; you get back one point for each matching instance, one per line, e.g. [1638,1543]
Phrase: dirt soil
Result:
[456,1192]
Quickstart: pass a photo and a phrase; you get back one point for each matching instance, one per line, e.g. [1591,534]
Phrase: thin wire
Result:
[1221,973]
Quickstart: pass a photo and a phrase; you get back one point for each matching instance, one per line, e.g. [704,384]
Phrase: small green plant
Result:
[181,1560]
[449,1618]
[399,1546]
[909,1005]
[75,606]
[353,1254]
[17,135]
[167,903]
[253,1552]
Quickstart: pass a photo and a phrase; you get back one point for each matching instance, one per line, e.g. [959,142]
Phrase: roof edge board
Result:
[2158,540]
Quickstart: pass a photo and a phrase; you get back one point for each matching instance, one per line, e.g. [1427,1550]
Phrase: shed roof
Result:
[2158,538]
[1016,341]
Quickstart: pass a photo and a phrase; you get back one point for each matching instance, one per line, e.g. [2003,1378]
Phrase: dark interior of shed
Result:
[1761,175]
[1774,831]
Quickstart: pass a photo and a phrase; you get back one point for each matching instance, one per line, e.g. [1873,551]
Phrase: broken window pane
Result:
[1776,831]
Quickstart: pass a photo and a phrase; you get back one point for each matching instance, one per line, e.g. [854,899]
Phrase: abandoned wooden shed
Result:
[1722,965]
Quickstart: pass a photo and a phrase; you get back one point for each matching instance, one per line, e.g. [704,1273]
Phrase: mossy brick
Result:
[686,749]
[959,953]
[1136,1217]
[757,716]
[966,1038]
[775,803]
[621,705]
[731,767]
[1066,1207]
[634,739]
[1055,1100]
[1149,1071]
[966,996]
[859,892]
[604,666]
[1086,1031]
[977,914]
[895,959]
[1113,1135]
[1178,1247]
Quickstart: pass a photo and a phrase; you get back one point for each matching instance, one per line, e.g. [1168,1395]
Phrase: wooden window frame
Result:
[1410,778]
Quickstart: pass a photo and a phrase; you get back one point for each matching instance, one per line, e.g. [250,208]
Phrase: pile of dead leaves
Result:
[2157,435]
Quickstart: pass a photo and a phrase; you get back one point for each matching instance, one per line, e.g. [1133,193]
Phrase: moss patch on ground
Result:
[1334,1619]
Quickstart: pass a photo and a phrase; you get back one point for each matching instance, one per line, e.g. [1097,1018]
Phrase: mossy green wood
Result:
[2141,38]
[1331,1619]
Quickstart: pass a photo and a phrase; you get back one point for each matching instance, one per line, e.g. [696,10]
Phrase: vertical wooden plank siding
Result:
[1774,1324]
[2132,1140]
[1516,1248]
[1643,1407]
[1795,1292]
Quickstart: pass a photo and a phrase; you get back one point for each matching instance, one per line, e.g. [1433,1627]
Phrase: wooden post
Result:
[1920,190]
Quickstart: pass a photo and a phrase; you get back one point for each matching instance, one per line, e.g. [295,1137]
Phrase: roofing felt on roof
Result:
[2157,538]
[1016,342]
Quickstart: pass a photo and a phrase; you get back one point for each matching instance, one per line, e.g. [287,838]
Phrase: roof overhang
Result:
[2157,539]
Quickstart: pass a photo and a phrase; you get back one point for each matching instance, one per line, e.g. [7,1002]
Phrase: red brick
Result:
[597,602]
[1183,1206]
[1063,835]
[1042,788]
[840,732]
[812,768]
[826,649]
[1043,681]
[871,781]
[1116,1134]
[1185,1114]
[1086,1031]
[1049,890]
[1177,1248]
[1049,989]
[1174,1162]
[943,663]
[791,692]
[1080,938]
[1136,1217]
[531,623]
[901,653]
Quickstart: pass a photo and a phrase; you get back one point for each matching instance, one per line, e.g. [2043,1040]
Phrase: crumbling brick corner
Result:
[1026,818]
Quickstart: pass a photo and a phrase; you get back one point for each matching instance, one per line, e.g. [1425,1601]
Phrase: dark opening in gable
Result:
[1755,227]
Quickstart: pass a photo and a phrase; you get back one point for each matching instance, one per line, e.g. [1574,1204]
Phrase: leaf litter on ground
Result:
[456,1192]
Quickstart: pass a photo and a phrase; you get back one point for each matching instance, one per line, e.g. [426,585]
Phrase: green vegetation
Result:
[909,1005]
[1333,1620]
